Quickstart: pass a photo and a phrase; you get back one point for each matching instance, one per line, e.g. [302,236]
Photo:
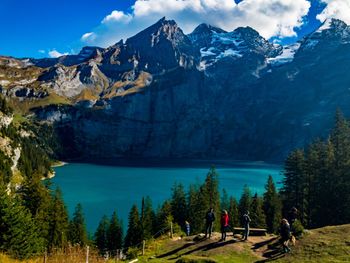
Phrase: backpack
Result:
[210,217]
[246,219]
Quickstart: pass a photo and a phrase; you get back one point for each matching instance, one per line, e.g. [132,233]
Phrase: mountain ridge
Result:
[211,93]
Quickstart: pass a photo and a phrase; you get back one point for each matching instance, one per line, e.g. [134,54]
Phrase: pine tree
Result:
[293,190]
[164,216]
[195,204]
[178,204]
[211,195]
[272,206]
[147,218]
[257,214]
[244,203]
[101,235]
[115,234]
[58,222]
[225,201]
[233,213]
[312,175]
[77,228]
[134,232]
[340,138]
[37,199]
[19,235]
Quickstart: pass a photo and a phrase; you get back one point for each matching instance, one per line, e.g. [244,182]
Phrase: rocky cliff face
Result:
[207,94]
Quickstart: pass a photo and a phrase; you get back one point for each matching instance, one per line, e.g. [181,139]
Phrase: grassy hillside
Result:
[329,245]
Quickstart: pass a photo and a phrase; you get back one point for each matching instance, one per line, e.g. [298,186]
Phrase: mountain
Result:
[209,94]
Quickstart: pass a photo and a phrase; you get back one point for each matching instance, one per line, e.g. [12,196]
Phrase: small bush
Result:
[132,253]
[297,229]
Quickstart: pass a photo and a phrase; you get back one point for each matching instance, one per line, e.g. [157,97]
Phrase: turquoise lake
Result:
[101,189]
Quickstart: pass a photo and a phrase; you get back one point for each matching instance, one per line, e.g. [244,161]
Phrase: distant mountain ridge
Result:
[211,93]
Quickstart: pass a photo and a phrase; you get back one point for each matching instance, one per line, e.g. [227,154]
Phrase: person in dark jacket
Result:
[224,224]
[293,215]
[285,235]
[209,220]
[246,221]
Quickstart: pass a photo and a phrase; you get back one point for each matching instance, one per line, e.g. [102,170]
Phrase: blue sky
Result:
[40,28]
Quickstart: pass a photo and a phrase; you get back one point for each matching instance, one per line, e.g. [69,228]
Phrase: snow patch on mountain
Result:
[226,39]
[327,24]
[207,52]
[286,56]
[229,52]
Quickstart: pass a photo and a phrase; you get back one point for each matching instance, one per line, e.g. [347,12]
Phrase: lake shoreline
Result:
[169,162]
[58,164]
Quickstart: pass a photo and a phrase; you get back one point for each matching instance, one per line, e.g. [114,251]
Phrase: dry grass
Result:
[23,107]
[69,255]
[123,88]
[88,94]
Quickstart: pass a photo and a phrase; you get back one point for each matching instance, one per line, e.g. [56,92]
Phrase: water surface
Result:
[104,188]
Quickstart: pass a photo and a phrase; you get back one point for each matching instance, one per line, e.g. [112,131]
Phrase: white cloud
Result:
[117,16]
[271,18]
[336,9]
[88,37]
[55,54]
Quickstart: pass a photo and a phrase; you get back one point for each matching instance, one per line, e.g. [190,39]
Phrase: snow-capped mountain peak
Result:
[216,44]
[331,24]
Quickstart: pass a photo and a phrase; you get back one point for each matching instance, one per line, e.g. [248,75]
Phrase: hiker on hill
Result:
[187,228]
[209,220]
[224,224]
[292,215]
[285,235]
[246,221]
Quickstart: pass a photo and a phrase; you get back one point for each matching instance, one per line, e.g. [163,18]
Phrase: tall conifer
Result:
[77,227]
[272,206]
[134,232]
[58,222]
[115,234]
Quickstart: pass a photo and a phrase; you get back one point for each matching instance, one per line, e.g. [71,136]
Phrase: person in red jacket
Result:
[224,224]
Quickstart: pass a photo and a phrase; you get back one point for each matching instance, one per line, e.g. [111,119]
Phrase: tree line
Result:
[317,178]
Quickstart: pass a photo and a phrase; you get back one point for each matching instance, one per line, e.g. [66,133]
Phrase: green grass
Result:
[206,251]
[325,245]
[24,107]
[18,119]
[328,244]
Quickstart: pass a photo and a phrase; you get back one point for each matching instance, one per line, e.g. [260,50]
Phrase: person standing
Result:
[209,220]
[285,235]
[246,221]
[187,228]
[224,224]
[293,215]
